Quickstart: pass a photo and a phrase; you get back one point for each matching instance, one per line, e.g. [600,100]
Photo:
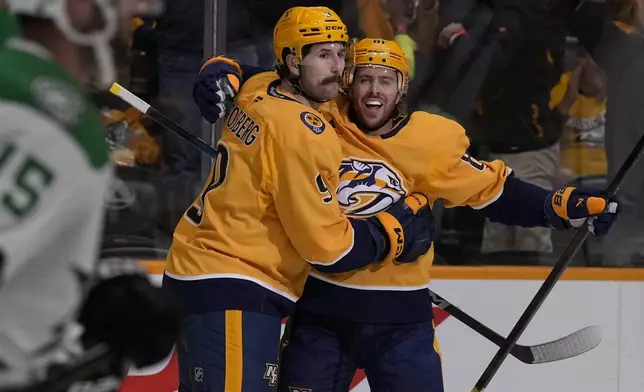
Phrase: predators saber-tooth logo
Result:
[198,374]
[368,187]
[271,373]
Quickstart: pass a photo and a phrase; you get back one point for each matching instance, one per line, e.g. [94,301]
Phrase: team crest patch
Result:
[271,373]
[58,99]
[368,187]
[313,122]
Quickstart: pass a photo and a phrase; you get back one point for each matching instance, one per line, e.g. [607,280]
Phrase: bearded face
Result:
[320,71]
[374,95]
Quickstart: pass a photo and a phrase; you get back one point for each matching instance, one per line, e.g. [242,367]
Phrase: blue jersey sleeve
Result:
[369,246]
[520,204]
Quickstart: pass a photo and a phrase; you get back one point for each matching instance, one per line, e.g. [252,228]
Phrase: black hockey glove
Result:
[409,225]
[137,320]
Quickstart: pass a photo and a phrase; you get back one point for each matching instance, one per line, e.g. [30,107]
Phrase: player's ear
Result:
[293,64]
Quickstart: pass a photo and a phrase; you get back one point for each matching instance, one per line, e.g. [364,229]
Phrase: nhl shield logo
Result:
[199,374]
[270,374]
[296,389]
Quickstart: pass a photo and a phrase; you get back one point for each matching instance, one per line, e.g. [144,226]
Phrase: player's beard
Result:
[368,120]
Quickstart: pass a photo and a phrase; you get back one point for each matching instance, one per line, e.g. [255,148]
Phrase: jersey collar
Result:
[272,91]
[399,124]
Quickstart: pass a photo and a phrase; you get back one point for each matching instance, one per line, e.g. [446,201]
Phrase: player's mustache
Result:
[374,96]
[332,79]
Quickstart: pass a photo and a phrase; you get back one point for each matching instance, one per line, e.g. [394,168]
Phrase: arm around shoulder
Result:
[303,177]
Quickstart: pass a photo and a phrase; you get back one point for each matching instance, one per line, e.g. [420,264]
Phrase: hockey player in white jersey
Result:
[55,299]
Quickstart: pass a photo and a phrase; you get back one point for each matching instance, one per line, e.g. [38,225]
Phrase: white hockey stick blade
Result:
[569,346]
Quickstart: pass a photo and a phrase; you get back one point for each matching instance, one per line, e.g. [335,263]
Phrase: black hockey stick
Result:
[554,275]
[568,346]
[163,120]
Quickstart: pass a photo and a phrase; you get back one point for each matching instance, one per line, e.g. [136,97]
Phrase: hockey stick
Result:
[554,275]
[161,119]
[566,347]
[96,360]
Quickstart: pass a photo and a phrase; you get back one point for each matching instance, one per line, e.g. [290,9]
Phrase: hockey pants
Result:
[229,351]
[323,354]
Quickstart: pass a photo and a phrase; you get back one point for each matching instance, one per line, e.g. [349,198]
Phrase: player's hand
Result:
[217,83]
[569,207]
[409,225]
[137,320]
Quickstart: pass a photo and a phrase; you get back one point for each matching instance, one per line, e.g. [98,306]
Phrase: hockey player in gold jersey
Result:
[242,251]
[381,319]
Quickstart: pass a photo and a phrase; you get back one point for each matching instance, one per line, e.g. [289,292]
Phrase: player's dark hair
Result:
[282,69]
[401,109]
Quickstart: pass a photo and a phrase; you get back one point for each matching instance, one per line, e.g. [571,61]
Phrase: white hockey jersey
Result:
[54,172]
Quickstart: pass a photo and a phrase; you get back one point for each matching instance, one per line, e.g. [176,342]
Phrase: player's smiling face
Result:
[374,93]
[321,70]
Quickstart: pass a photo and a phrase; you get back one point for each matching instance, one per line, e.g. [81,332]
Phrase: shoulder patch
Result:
[36,82]
[313,122]
[58,99]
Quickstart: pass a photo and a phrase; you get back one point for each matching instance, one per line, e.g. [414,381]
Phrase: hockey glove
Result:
[218,82]
[569,207]
[138,321]
[409,226]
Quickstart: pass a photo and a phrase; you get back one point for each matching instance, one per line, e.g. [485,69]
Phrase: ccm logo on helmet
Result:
[333,28]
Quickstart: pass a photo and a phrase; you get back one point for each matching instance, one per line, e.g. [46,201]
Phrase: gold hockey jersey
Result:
[267,210]
[423,153]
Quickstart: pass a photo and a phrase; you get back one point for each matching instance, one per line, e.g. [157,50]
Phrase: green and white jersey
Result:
[54,172]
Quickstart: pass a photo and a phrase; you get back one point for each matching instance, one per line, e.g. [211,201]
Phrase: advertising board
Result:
[610,298]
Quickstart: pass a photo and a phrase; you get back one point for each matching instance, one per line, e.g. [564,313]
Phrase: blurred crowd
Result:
[552,87]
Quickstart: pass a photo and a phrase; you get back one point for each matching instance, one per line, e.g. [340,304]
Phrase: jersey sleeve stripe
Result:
[346,252]
[369,288]
[492,200]
[232,276]
[362,252]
